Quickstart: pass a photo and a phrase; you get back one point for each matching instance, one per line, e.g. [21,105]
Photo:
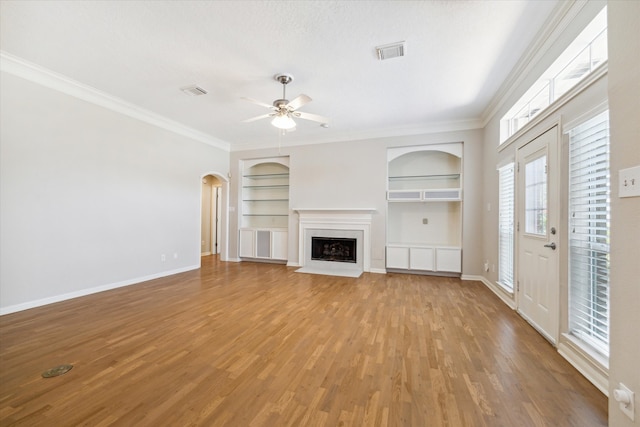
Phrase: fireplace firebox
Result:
[336,249]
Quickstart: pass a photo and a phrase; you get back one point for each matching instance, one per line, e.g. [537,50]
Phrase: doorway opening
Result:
[212,237]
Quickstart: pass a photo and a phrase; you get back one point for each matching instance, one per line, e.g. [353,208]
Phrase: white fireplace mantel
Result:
[355,219]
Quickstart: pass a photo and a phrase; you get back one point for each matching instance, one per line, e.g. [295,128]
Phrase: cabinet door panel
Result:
[247,243]
[279,240]
[421,258]
[397,257]
[448,260]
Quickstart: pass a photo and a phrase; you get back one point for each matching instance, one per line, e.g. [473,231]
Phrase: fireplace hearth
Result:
[333,249]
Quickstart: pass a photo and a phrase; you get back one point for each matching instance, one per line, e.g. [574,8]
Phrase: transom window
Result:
[583,55]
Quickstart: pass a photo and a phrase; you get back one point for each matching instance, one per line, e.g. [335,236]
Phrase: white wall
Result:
[624,111]
[90,197]
[353,174]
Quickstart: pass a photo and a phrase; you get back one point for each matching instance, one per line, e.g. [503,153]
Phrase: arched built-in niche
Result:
[264,209]
[424,209]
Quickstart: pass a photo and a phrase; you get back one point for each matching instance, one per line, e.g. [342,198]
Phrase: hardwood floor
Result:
[248,344]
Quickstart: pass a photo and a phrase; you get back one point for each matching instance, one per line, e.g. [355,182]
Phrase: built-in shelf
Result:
[269,214]
[264,211]
[427,177]
[267,176]
[424,214]
[266,186]
[265,200]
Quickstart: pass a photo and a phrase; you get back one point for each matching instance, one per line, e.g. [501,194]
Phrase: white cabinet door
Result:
[247,243]
[449,259]
[397,257]
[279,244]
[421,258]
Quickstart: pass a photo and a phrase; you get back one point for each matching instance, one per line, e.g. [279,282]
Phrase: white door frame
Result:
[222,212]
[545,317]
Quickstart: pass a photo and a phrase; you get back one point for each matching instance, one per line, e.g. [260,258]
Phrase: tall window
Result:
[506,205]
[589,225]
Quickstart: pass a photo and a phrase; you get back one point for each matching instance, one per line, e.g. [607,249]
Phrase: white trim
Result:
[85,292]
[496,289]
[453,148]
[378,271]
[591,79]
[588,363]
[561,17]
[600,108]
[42,76]
[506,161]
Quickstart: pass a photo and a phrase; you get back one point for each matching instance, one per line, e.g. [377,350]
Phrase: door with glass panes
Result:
[537,230]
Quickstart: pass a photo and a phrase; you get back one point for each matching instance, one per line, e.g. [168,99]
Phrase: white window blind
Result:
[506,205]
[589,225]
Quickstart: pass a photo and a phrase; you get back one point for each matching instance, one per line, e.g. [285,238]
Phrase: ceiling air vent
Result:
[193,90]
[389,51]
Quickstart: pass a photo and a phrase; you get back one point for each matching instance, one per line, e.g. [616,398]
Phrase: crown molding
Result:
[17,66]
[563,14]
[430,128]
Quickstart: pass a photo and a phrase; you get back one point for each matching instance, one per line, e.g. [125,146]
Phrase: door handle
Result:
[551,245]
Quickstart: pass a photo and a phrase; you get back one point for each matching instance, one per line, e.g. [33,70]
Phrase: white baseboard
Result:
[591,371]
[494,288]
[233,259]
[378,270]
[206,253]
[63,297]
[293,264]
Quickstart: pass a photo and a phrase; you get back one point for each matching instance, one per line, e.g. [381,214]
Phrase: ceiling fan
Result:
[284,111]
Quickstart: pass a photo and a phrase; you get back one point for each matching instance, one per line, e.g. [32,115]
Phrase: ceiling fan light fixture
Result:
[283,122]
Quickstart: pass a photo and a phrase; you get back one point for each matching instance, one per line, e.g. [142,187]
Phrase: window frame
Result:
[579,332]
[506,256]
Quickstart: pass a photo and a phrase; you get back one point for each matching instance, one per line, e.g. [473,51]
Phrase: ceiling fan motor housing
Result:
[279,103]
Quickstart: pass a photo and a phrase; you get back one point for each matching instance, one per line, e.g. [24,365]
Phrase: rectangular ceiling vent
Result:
[193,90]
[392,50]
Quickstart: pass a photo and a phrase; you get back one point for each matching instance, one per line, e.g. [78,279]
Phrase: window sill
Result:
[506,288]
[593,365]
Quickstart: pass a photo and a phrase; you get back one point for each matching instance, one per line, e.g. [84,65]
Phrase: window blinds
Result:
[589,224]
[506,202]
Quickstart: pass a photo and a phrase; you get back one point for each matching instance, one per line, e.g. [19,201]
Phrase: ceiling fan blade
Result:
[298,102]
[309,116]
[253,119]
[254,101]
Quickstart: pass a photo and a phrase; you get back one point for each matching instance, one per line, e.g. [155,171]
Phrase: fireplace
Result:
[333,249]
[334,241]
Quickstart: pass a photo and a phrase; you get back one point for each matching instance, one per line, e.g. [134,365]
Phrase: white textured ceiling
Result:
[458,55]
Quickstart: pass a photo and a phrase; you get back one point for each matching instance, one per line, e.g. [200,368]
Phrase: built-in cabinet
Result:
[264,211]
[424,209]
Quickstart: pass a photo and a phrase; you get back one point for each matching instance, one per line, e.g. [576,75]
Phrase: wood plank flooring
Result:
[249,344]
